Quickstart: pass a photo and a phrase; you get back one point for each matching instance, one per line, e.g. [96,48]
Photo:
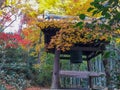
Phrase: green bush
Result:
[14,68]
[43,71]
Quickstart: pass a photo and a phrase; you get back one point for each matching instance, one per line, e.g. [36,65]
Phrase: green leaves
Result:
[80,25]
[107,15]
[106,54]
[95,12]
[90,9]
[102,26]
[82,16]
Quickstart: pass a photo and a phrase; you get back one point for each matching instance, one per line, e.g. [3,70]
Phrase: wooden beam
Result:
[80,74]
[55,77]
[89,69]
[94,54]
[88,48]
[68,58]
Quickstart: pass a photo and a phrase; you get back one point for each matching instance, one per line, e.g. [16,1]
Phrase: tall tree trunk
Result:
[55,77]
[22,21]
[39,55]
[40,52]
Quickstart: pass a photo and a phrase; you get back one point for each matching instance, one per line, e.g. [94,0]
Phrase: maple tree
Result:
[9,11]
[12,40]
[12,59]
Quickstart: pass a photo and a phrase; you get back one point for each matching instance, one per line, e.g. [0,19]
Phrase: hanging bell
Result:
[76,56]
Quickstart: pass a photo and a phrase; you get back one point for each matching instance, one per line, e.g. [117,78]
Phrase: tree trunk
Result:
[55,77]
[39,55]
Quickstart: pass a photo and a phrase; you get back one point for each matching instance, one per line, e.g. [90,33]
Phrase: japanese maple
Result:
[8,40]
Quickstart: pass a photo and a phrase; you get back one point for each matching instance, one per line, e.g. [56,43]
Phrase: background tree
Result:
[109,22]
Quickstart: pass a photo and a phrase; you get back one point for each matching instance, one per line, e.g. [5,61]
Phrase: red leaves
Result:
[10,45]
[3,36]
[24,42]
[7,17]
[12,40]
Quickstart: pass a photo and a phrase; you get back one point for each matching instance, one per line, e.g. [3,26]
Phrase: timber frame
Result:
[89,51]
[57,73]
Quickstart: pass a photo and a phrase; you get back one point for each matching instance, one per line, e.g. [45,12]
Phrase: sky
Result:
[15,25]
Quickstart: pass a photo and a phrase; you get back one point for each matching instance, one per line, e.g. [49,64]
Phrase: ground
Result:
[30,88]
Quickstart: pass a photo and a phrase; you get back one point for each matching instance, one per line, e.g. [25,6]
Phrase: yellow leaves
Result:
[7,2]
[36,66]
[103,37]
[117,31]
[66,7]
[33,54]
[53,23]
[10,2]
[13,2]
[118,40]
[38,47]
[46,5]
[75,7]
[117,36]
[35,35]
[68,35]
[1,12]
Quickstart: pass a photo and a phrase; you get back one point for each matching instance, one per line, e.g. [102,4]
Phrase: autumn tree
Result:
[109,22]
[53,7]
[11,46]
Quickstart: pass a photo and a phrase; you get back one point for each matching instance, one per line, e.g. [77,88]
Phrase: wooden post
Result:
[89,69]
[55,77]
[107,72]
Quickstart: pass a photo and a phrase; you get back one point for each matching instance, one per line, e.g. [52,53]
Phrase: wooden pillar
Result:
[55,77]
[89,69]
[107,72]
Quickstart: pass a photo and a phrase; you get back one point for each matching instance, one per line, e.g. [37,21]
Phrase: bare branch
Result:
[10,23]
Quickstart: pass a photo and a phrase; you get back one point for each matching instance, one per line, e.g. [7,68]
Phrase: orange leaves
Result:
[34,35]
[24,42]
[27,32]
[68,35]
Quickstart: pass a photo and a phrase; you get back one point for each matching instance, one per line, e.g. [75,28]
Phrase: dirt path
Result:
[30,88]
[37,88]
